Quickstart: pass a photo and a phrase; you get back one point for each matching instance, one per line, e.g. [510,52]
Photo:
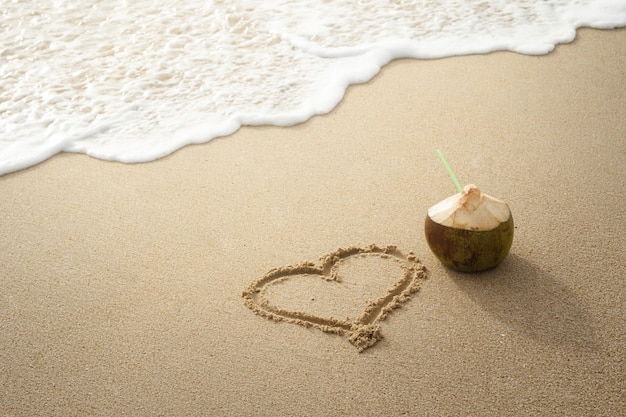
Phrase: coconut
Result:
[470,231]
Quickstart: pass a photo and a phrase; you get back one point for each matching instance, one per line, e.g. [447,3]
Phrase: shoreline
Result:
[134,160]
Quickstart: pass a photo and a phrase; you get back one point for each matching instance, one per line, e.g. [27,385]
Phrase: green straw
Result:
[445,164]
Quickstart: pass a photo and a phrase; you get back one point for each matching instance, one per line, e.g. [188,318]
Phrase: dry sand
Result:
[121,285]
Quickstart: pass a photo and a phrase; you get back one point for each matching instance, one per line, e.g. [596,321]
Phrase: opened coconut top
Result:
[470,210]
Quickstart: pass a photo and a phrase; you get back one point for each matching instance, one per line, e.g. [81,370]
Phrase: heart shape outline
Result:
[363,332]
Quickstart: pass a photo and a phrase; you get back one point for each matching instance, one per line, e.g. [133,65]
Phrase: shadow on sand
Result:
[531,301]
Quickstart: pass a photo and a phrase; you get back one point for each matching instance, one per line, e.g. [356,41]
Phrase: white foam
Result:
[134,81]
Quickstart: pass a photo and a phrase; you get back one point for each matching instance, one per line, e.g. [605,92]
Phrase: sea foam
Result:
[133,81]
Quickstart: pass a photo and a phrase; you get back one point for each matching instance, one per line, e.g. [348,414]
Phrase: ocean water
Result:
[134,80]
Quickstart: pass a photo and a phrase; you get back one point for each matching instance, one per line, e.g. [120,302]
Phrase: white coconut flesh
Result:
[470,210]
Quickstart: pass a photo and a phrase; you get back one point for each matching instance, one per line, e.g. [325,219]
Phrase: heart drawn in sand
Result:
[365,283]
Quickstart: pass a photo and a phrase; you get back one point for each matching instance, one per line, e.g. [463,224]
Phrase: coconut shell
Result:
[469,250]
[470,231]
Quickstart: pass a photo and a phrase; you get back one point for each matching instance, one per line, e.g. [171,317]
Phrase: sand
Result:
[335,286]
[122,284]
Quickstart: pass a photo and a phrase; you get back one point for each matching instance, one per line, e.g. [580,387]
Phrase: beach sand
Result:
[122,285]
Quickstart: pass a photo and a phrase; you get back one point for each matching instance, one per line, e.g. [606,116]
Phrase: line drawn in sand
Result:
[364,331]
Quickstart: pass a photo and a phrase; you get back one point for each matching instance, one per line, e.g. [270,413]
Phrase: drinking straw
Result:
[445,164]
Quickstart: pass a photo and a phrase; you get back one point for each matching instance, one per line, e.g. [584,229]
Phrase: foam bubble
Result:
[134,81]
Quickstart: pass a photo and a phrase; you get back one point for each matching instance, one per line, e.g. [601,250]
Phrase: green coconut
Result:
[470,231]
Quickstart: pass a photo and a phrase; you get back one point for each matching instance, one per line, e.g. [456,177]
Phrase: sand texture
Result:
[132,289]
[364,328]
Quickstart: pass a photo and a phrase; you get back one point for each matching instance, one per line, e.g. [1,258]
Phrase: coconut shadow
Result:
[531,301]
